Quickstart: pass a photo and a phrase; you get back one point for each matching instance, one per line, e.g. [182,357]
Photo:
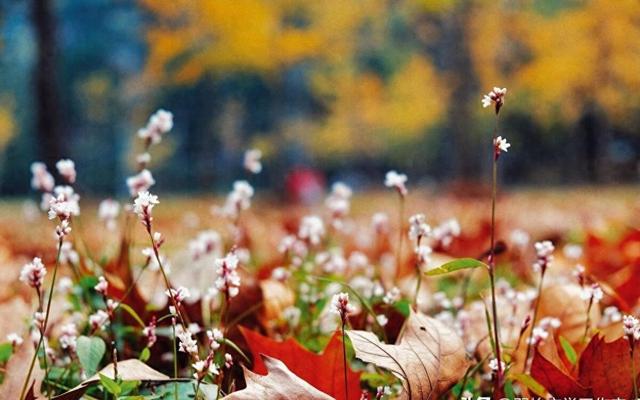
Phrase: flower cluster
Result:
[159,123]
[108,211]
[396,181]
[311,230]
[228,280]
[340,305]
[500,144]
[544,253]
[102,286]
[141,182]
[239,199]
[339,203]
[206,243]
[149,332]
[496,97]
[41,179]
[142,206]
[33,273]
[179,295]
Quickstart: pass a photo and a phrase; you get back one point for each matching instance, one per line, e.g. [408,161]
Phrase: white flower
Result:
[215,338]
[311,229]
[187,343]
[380,222]
[391,296]
[207,242]
[108,211]
[68,254]
[65,284]
[444,233]
[519,237]
[544,251]
[143,204]
[573,251]
[41,180]
[630,324]
[382,319]
[141,182]
[338,202]
[67,169]
[340,305]
[179,295]
[495,96]
[239,199]
[228,280]
[64,203]
[493,364]
[68,337]
[418,228]
[143,159]
[500,144]
[102,286]
[423,252]
[159,123]
[33,273]
[252,161]
[99,320]
[592,293]
[15,339]
[397,181]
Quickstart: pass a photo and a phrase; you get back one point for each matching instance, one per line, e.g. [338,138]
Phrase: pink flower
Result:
[500,144]
[141,182]
[179,295]
[15,339]
[228,280]
[99,320]
[33,273]
[340,305]
[159,123]
[102,286]
[149,332]
[41,180]
[67,169]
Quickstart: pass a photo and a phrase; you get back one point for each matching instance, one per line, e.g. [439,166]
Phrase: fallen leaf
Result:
[429,358]
[279,384]
[17,368]
[323,371]
[128,370]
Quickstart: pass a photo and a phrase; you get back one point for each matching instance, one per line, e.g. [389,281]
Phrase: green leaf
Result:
[110,385]
[129,386]
[569,351]
[6,350]
[133,313]
[145,355]
[456,265]
[531,384]
[90,351]
[403,307]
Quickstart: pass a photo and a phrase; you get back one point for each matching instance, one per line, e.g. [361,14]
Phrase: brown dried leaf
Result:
[17,368]
[278,384]
[429,358]
[128,370]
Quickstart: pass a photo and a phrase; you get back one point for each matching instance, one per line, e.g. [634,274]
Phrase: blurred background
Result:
[333,89]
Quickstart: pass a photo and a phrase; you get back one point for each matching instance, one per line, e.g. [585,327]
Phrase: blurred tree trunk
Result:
[49,135]
[464,93]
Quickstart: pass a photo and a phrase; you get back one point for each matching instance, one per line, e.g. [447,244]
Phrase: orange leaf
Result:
[323,371]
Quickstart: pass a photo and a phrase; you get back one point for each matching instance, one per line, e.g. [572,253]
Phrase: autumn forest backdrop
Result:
[347,89]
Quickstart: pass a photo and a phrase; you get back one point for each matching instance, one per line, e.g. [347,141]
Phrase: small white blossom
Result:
[159,123]
[102,286]
[42,180]
[215,338]
[444,233]
[252,161]
[142,206]
[141,182]
[496,96]
[493,365]
[99,320]
[68,254]
[228,280]
[544,252]
[187,343]
[418,228]
[340,305]
[500,144]
[396,181]
[391,296]
[108,211]
[15,339]
[33,273]
[179,295]
[311,229]
[67,169]
[68,337]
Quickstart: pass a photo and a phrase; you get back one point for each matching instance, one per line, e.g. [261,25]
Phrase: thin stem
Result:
[492,261]
[633,371]
[400,233]
[533,322]
[175,359]
[418,282]
[224,314]
[44,326]
[344,359]
[588,322]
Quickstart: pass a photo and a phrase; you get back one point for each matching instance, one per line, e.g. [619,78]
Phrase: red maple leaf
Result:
[324,371]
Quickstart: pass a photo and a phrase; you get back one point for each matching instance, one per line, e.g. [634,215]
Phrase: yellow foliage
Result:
[578,55]
[8,125]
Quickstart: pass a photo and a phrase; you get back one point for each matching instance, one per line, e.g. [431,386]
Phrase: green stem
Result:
[492,262]
[533,322]
[400,233]
[44,326]
[588,322]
